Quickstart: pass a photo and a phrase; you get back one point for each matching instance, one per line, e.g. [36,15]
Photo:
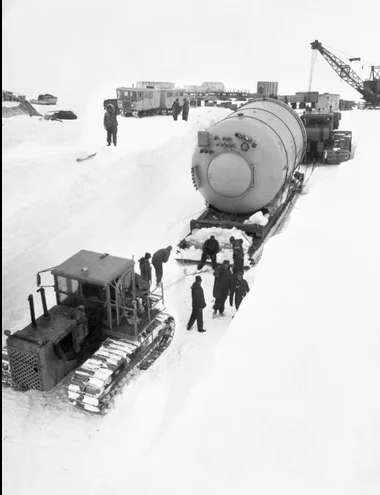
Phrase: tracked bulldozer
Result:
[106,322]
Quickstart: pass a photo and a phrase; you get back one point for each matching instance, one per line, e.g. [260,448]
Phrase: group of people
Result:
[211,248]
[177,109]
[110,119]
[227,282]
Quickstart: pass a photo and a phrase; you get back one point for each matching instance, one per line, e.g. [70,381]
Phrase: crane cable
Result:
[347,55]
[314,55]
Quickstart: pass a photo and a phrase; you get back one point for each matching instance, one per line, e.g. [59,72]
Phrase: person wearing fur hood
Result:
[110,124]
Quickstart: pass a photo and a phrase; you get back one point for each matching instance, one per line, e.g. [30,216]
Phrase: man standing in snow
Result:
[209,250]
[238,256]
[222,287]
[145,268]
[110,124]
[185,109]
[198,303]
[240,289]
[176,109]
[161,256]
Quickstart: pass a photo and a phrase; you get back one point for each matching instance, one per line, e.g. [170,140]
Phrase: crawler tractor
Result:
[106,322]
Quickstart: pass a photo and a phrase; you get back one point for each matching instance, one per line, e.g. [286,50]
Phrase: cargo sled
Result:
[255,230]
[106,323]
[340,149]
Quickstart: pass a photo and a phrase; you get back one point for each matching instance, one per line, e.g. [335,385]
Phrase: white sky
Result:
[72,47]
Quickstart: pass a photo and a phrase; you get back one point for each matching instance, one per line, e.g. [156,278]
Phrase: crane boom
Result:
[345,72]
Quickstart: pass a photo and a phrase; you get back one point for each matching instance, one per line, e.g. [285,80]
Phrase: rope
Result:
[169,286]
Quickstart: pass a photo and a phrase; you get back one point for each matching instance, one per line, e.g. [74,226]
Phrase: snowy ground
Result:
[125,201]
[291,403]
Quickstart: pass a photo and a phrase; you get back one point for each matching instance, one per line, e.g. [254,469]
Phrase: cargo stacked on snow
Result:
[340,149]
[325,143]
[246,168]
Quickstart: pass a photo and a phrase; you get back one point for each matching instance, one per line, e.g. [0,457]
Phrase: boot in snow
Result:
[202,330]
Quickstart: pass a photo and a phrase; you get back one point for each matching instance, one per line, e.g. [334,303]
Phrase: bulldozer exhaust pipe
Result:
[43,299]
[32,313]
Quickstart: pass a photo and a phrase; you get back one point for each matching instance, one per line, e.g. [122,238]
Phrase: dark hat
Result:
[212,237]
[198,278]
[147,256]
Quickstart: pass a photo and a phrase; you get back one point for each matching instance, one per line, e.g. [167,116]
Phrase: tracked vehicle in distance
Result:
[106,323]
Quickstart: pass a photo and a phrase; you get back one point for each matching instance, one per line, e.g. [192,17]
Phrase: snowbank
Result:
[292,402]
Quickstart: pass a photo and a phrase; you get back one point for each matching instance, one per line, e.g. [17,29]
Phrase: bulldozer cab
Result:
[107,287]
[92,280]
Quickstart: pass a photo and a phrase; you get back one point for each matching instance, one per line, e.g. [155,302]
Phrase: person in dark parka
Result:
[161,256]
[238,256]
[240,289]
[176,109]
[185,109]
[145,268]
[198,304]
[222,287]
[110,124]
[209,250]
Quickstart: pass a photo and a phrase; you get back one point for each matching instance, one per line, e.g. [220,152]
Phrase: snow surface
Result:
[289,390]
[292,403]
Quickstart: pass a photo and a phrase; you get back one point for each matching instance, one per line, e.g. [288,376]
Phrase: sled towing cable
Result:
[169,286]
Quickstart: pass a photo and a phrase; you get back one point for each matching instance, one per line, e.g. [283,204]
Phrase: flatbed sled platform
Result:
[224,225]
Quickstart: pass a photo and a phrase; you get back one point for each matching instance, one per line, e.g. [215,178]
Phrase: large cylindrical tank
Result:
[242,161]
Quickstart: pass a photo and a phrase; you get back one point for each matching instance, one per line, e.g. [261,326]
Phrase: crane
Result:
[370,89]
